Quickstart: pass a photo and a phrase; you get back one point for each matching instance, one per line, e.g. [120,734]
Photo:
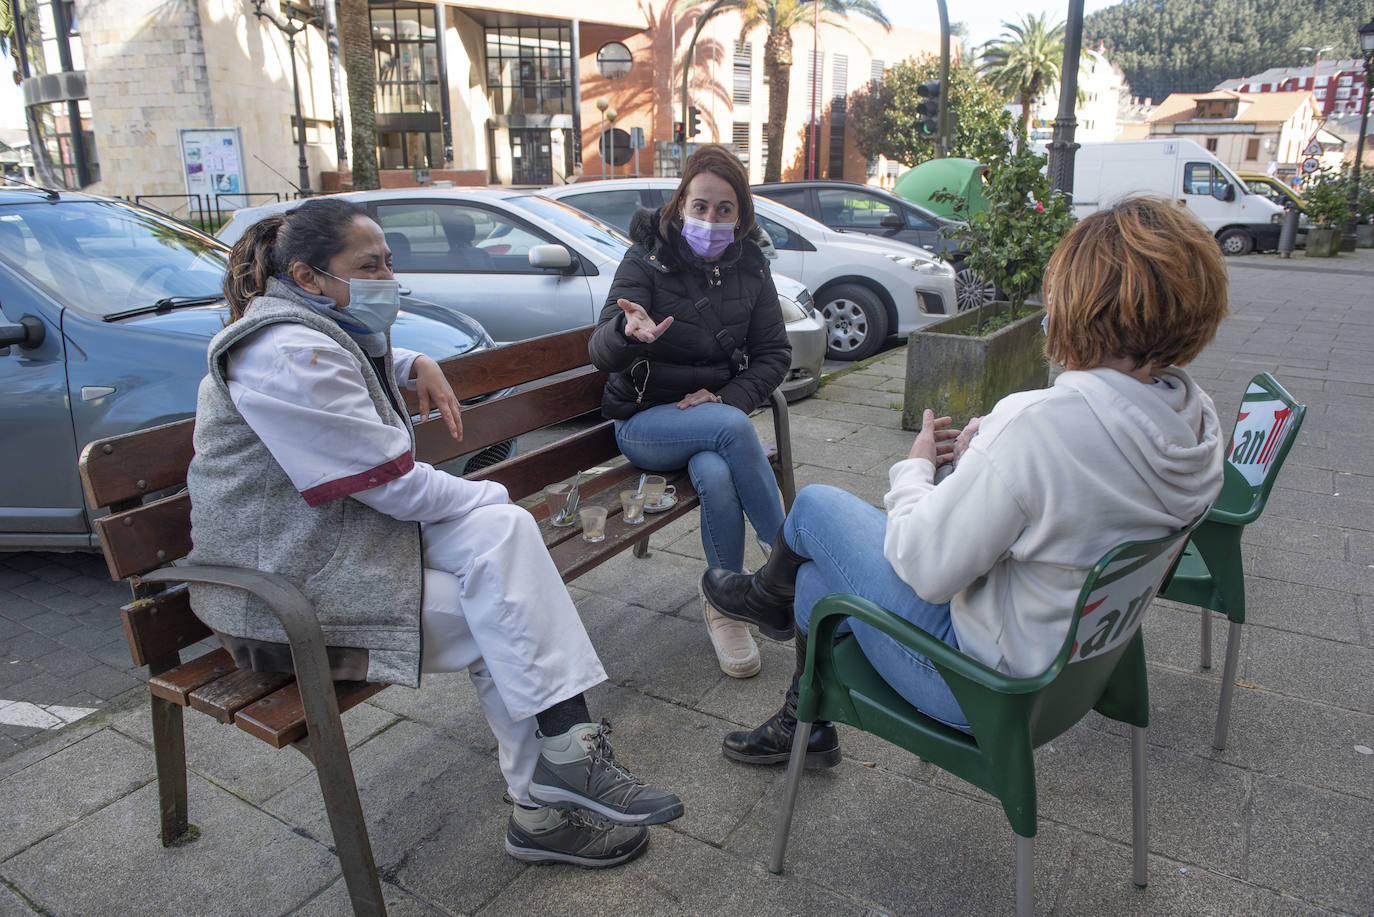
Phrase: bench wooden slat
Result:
[176,684]
[515,364]
[508,417]
[146,537]
[112,470]
[279,718]
[161,624]
[226,696]
[533,471]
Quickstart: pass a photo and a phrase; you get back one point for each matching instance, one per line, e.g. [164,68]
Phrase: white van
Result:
[1242,221]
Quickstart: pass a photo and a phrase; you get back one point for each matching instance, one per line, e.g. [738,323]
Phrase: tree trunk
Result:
[1026,100]
[355,36]
[777,64]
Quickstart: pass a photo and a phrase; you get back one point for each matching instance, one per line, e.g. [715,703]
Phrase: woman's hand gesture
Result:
[638,325]
[436,394]
[933,443]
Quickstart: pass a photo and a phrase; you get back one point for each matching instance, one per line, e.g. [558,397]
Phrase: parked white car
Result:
[524,265]
[866,287]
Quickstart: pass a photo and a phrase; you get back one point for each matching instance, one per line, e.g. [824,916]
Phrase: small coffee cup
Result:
[657,490]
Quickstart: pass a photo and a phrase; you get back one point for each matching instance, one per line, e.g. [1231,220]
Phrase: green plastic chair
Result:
[1101,666]
[1210,573]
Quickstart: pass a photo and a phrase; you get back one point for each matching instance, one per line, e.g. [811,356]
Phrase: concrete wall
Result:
[156,66]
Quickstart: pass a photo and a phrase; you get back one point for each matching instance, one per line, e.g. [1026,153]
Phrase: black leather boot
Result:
[771,741]
[764,598]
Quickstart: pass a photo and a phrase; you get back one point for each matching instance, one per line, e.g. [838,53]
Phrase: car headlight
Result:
[1276,218]
[791,312]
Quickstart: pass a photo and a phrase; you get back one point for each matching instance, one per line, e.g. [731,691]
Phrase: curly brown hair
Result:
[1143,280]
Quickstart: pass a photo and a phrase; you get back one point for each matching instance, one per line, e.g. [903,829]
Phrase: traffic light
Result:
[679,132]
[928,110]
[693,121]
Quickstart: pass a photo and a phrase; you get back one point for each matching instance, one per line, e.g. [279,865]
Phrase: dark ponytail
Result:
[312,233]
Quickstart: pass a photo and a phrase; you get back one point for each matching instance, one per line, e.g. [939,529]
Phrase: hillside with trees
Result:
[1169,46]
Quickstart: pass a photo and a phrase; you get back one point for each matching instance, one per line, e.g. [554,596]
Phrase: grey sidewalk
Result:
[1281,824]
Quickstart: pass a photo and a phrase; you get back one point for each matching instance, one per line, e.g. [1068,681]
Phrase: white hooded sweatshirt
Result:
[1053,480]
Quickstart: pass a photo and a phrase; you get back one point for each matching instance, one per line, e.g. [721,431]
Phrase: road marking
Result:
[40,716]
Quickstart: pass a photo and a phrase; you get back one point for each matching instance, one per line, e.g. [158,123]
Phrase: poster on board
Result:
[212,164]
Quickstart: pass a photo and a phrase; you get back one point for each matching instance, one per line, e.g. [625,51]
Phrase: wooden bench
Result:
[139,478]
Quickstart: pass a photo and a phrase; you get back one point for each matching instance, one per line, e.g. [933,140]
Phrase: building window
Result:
[409,76]
[1252,148]
[613,60]
[892,170]
[739,139]
[839,81]
[529,70]
[875,72]
[741,92]
[1211,144]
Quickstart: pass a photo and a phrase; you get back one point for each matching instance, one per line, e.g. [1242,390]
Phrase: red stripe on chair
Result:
[355,483]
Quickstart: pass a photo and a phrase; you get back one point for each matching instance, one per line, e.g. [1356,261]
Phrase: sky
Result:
[984,17]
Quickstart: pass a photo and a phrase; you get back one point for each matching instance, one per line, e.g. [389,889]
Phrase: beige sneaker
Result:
[736,650]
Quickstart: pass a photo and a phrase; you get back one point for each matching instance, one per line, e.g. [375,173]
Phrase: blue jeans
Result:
[721,451]
[843,537]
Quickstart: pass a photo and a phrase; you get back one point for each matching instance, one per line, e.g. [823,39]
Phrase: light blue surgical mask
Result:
[1045,324]
[372,304]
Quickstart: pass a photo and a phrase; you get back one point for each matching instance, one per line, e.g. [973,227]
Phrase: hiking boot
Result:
[578,768]
[576,837]
[771,741]
[736,650]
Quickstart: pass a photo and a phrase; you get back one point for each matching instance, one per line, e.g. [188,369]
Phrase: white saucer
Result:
[667,502]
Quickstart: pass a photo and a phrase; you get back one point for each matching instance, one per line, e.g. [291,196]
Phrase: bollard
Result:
[1288,234]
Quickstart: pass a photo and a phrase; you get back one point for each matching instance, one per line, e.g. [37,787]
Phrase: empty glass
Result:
[593,523]
[632,506]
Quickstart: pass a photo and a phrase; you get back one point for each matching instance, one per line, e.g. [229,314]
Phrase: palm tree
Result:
[1025,61]
[779,17]
[355,37]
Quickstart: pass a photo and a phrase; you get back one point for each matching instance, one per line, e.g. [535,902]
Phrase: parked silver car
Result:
[524,265]
[106,309]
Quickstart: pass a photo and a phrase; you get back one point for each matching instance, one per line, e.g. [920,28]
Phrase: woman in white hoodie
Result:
[1124,446]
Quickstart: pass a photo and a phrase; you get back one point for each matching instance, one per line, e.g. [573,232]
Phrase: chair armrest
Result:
[1239,519]
[953,665]
[782,438]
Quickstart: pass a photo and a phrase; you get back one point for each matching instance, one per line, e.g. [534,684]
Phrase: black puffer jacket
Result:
[687,356]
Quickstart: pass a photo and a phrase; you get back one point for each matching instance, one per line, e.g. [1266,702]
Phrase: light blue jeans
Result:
[843,537]
[720,449]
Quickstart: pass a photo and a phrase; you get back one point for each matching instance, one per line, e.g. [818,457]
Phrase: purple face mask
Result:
[707,239]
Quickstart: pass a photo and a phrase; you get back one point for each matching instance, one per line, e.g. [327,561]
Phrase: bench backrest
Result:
[130,475]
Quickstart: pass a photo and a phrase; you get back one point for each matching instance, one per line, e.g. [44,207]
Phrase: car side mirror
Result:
[553,257]
[892,221]
[1229,194]
[29,333]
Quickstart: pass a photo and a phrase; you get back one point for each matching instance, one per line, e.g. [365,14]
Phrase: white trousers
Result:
[495,605]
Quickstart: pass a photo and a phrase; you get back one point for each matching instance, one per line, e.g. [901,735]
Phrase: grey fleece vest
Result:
[361,569]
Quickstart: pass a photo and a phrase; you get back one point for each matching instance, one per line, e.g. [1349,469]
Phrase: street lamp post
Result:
[611,115]
[601,106]
[1316,64]
[1366,34]
[291,29]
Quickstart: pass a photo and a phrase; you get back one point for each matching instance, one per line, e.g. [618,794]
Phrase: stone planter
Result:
[1323,243]
[965,376]
[1364,235]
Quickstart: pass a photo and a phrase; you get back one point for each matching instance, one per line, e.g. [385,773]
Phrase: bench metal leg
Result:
[1025,876]
[795,765]
[1140,841]
[1228,685]
[169,752]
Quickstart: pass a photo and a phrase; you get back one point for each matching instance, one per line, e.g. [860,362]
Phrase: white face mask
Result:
[372,304]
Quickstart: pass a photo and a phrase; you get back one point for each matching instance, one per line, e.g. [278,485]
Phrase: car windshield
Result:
[102,257]
[605,237]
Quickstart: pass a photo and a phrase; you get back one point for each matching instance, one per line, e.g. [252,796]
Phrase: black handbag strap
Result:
[708,308]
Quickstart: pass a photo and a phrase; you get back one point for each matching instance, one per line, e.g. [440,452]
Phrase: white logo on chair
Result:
[1260,429]
[1113,611]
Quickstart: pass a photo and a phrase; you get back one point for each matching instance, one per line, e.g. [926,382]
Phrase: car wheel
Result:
[856,322]
[970,289]
[1236,242]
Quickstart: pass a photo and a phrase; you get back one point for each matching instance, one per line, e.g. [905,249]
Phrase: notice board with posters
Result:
[212,163]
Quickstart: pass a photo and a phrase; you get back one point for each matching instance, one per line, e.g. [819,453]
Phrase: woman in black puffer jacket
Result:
[694,339]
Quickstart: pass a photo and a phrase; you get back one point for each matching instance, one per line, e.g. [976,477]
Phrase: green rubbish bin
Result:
[959,176]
